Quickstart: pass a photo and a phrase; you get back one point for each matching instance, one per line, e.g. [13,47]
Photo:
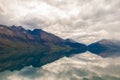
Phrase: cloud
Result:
[68,19]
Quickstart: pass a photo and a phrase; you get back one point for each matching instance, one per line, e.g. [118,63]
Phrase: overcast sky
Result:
[82,20]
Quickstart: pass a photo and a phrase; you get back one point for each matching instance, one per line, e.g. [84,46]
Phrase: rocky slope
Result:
[20,47]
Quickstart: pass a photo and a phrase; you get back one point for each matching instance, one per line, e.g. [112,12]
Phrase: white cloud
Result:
[96,19]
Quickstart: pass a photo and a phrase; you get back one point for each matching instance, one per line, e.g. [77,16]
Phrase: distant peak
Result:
[107,41]
[70,40]
[13,27]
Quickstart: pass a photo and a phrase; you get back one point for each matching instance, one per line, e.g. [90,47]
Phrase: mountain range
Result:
[20,47]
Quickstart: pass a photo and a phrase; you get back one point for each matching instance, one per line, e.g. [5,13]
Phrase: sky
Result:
[81,20]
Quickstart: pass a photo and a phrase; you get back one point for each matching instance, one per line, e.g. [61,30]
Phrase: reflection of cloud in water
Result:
[85,66]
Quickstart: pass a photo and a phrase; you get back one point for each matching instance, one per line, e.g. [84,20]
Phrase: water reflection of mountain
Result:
[85,66]
[20,47]
[105,48]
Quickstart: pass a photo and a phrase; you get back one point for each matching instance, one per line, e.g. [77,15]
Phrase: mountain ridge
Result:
[20,47]
[105,48]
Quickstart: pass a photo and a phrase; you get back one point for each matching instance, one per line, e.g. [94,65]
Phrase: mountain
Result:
[105,48]
[20,47]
